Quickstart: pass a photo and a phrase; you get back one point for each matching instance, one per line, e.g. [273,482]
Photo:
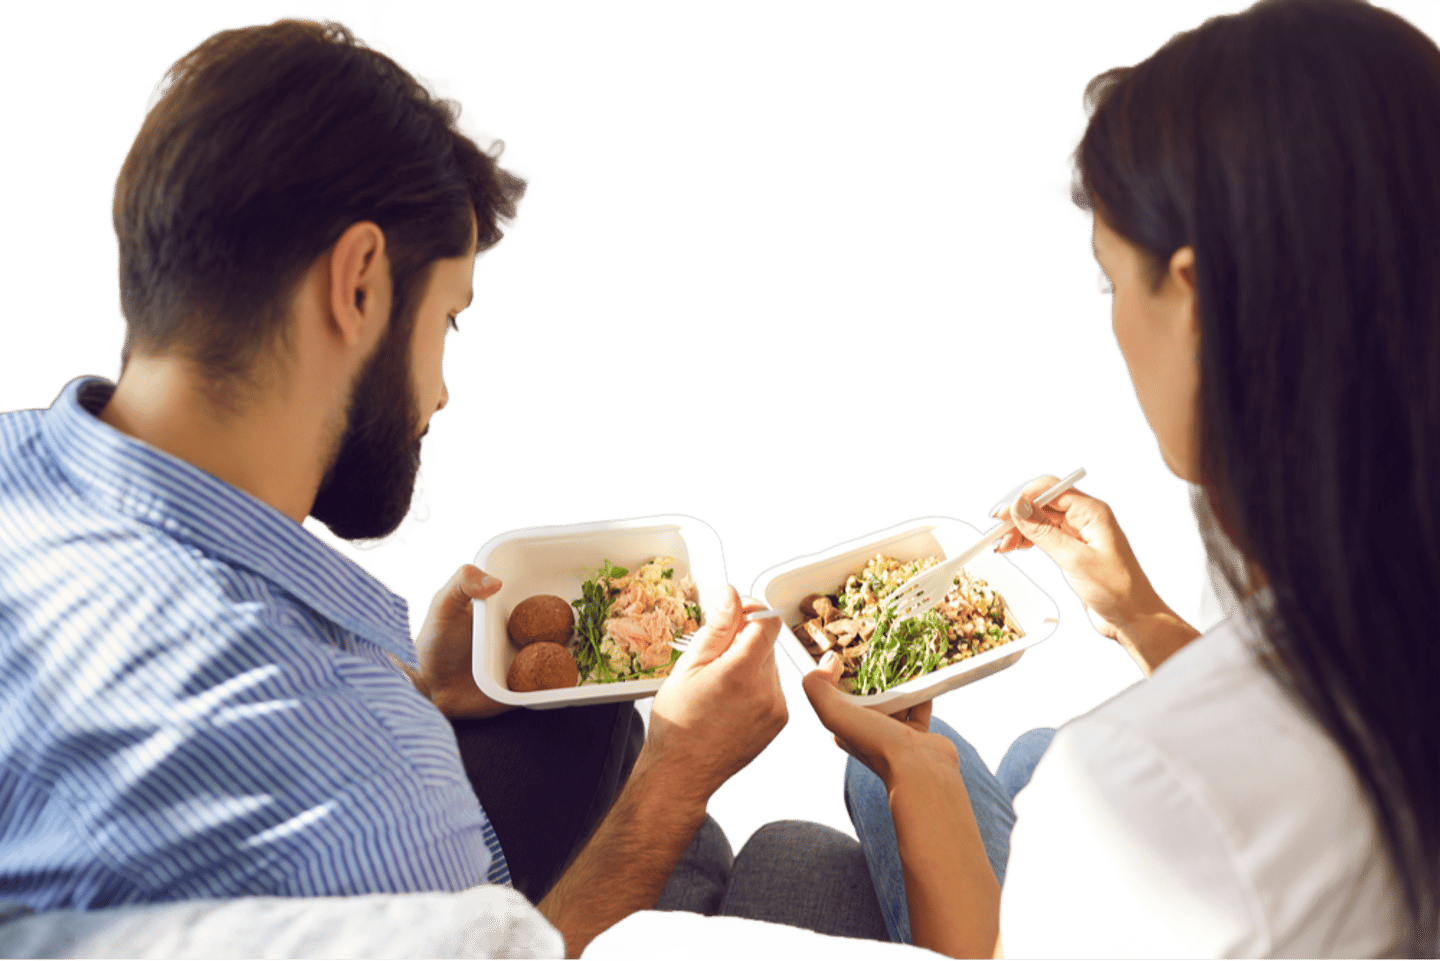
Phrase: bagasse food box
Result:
[553,560]
[783,587]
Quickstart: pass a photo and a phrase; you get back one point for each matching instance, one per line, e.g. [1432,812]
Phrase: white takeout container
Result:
[555,560]
[783,587]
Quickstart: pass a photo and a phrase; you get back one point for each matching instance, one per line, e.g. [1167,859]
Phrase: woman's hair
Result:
[265,145]
[1296,148]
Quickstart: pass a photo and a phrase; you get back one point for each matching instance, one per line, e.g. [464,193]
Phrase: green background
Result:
[786,271]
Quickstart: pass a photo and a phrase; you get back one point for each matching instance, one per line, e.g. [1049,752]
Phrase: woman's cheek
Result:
[1146,375]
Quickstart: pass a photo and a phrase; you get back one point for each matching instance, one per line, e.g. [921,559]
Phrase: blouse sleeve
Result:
[1115,853]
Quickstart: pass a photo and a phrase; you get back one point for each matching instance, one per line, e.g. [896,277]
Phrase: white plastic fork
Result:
[683,641]
[928,588]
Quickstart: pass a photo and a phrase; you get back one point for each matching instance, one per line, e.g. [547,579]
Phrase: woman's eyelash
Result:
[453,324]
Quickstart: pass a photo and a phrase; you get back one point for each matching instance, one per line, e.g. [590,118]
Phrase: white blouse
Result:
[1199,813]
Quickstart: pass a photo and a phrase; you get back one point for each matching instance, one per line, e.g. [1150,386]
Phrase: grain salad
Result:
[878,651]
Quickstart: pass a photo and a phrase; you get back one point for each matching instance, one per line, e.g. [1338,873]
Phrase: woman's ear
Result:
[1179,288]
[1181,273]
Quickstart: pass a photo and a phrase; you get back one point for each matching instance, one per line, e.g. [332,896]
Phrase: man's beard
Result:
[367,489]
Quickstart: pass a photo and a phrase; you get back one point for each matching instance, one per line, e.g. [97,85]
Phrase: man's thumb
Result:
[470,583]
[715,637]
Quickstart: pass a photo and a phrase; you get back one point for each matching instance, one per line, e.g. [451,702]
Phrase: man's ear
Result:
[359,282]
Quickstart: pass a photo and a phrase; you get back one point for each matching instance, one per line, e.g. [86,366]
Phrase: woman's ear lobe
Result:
[1182,268]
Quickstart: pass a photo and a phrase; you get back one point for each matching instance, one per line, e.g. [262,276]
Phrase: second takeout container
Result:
[555,560]
[783,587]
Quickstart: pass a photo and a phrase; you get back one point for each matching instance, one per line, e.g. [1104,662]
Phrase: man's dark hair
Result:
[1296,147]
[266,143]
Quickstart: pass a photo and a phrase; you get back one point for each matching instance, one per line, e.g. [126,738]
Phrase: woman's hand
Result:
[882,743]
[1081,536]
[950,890]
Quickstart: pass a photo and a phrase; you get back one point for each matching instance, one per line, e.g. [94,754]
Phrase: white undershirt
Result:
[1199,813]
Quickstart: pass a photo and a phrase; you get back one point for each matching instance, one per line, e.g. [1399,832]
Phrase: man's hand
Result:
[444,646]
[721,705]
[718,708]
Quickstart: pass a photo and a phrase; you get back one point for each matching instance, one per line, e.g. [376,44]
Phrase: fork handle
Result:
[1005,527]
[989,537]
[986,539]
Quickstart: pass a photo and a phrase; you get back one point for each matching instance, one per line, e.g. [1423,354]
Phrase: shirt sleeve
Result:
[1116,854]
[384,804]
[482,922]
[293,769]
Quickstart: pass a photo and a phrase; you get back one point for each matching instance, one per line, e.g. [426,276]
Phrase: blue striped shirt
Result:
[196,698]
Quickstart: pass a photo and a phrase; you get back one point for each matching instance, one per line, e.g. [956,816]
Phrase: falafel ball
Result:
[543,617]
[542,666]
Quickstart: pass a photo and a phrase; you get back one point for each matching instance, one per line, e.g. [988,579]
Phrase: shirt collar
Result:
[189,504]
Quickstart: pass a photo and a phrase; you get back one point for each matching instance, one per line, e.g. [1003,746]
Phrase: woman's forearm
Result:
[950,889]
[1152,636]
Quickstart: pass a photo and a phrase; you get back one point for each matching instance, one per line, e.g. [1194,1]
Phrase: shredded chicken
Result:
[646,614]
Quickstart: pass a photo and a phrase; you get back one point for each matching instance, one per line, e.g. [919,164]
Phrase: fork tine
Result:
[928,588]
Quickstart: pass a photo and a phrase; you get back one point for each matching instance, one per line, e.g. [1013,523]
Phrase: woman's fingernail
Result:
[1023,509]
[489,581]
[828,661]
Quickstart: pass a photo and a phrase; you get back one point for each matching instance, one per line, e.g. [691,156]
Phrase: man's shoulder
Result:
[60,543]
[19,443]
[19,423]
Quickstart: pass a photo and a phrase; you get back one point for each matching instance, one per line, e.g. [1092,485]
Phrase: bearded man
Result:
[198,698]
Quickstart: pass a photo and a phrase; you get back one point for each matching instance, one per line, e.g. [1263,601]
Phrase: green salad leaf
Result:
[592,607]
[900,650]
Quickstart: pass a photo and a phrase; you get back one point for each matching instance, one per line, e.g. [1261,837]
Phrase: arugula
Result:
[593,607]
[901,650]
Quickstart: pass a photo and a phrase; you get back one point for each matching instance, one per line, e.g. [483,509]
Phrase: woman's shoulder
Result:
[1218,718]
[1214,788]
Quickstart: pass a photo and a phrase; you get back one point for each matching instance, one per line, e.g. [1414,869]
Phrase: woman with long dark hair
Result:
[1266,200]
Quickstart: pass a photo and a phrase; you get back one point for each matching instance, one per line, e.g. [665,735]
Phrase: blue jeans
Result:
[991,797]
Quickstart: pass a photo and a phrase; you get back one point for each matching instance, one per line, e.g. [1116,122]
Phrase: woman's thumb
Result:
[1033,522]
[827,675]
[1045,530]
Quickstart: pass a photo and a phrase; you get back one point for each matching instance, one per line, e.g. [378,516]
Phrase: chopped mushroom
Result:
[845,621]
[825,609]
[816,630]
